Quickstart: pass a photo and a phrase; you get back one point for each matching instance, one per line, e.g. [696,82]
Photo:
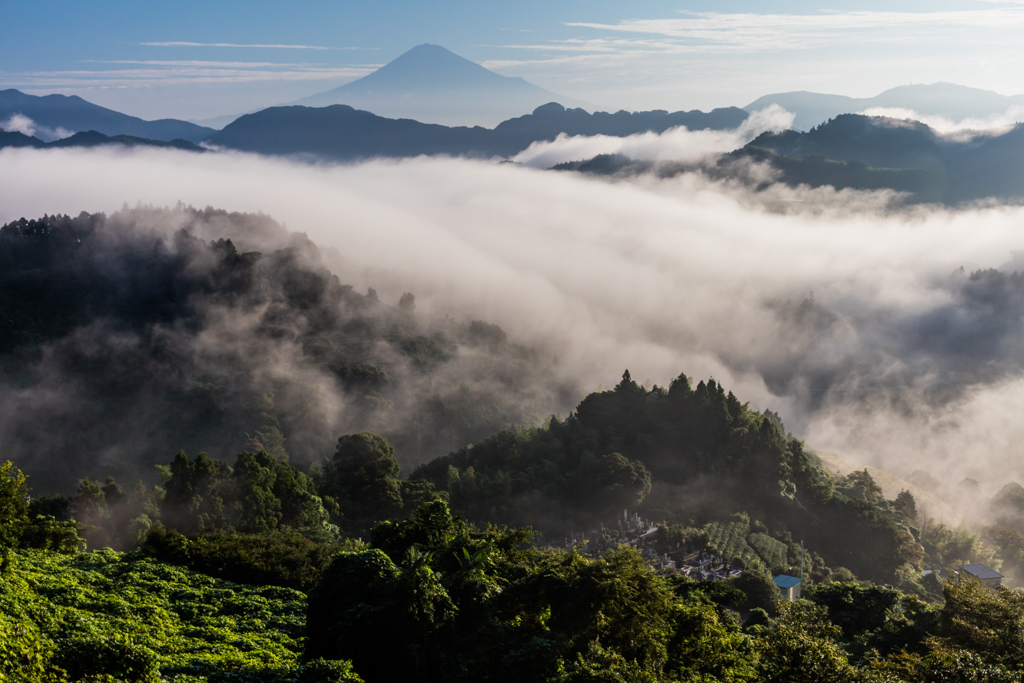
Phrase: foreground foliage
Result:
[434,598]
[105,616]
[280,558]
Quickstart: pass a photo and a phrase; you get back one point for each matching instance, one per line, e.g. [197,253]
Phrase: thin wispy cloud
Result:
[717,33]
[177,73]
[712,59]
[183,43]
[760,31]
[597,45]
[198,63]
[145,73]
[965,129]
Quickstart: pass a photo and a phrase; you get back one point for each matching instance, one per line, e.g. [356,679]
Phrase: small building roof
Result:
[980,571]
[783,581]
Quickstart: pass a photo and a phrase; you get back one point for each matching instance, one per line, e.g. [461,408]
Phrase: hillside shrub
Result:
[282,557]
[107,616]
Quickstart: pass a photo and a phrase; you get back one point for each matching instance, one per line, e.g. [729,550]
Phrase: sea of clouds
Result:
[677,144]
[851,319]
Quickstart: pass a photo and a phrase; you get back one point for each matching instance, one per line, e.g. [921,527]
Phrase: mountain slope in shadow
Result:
[71,113]
[964,169]
[861,153]
[341,133]
[90,139]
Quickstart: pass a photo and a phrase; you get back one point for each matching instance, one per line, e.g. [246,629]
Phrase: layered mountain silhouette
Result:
[959,169]
[853,151]
[429,83]
[873,141]
[90,139]
[341,133]
[847,151]
[954,102]
[51,115]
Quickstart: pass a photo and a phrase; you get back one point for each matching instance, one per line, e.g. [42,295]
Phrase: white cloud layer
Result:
[756,31]
[151,73]
[677,144]
[19,123]
[963,129]
[658,276]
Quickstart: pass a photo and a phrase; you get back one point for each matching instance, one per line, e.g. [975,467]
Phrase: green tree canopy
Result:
[363,478]
[195,493]
[13,504]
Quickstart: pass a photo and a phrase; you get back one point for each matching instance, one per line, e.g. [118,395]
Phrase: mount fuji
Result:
[433,85]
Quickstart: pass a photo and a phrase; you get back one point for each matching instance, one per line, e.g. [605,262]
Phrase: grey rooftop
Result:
[981,572]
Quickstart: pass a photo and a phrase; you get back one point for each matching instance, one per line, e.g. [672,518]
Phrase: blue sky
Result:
[190,59]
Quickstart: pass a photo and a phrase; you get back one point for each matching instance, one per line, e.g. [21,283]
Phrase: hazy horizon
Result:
[194,62]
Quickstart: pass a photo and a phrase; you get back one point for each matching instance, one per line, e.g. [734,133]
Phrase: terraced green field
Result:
[730,541]
[108,616]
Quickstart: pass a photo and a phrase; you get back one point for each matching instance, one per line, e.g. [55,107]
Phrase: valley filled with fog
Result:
[389,366]
[889,335]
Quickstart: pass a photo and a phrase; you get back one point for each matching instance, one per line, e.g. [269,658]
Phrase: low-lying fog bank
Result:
[882,335]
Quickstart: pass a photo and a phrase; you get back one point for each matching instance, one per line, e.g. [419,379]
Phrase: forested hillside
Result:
[125,339]
[951,169]
[217,562]
[434,598]
[685,455]
[859,152]
[213,429]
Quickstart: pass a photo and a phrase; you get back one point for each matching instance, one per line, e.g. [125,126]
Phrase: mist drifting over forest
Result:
[889,335]
[216,332]
[604,342]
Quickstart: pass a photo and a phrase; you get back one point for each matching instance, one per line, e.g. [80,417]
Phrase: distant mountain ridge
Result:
[432,84]
[91,138]
[873,141]
[954,170]
[859,152]
[74,114]
[341,133]
[954,102]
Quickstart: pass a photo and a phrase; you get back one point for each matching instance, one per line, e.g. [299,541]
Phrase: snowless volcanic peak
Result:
[432,84]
